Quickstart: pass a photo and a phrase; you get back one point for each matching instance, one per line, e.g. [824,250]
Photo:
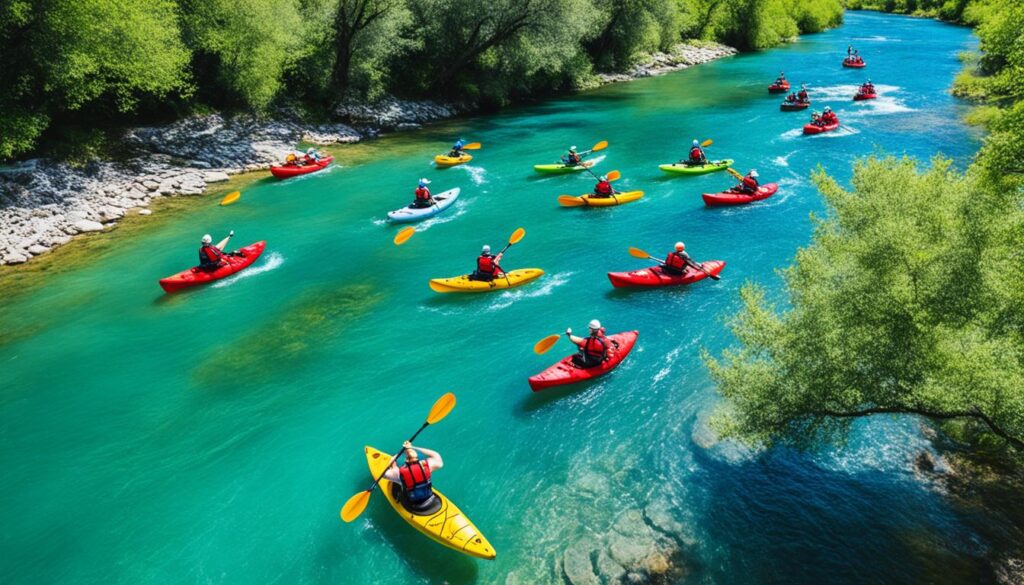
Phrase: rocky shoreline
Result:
[44,203]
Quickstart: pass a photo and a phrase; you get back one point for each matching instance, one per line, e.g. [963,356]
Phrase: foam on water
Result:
[265,264]
[476,174]
[541,287]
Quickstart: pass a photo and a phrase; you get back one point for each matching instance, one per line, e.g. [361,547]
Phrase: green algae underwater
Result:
[213,435]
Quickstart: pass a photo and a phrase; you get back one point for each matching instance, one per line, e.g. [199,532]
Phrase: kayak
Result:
[815,129]
[566,372]
[854,64]
[442,160]
[685,169]
[462,284]
[411,213]
[778,88]
[656,276]
[730,198]
[864,96]
[285,171]
[794,106]
[561,169]
[617,199]
[444,523]
[195,276]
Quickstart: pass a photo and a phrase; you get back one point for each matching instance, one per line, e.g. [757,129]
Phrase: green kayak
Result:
[560,169]
[685,169]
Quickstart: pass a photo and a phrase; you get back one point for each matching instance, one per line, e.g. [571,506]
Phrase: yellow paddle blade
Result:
[638,253]
[600,146]
[472,146]
[570,201]
[734,173]
[545,344]
[355,506]
[403,235]
[614,176]
[230,198]
[516,236]
[707,142]
[441,408]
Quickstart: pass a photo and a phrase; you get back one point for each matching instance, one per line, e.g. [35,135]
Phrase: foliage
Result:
[906,302]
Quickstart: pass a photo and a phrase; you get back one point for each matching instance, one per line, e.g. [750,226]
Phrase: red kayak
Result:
[195,276]
[566,372]
[816,129]
[285,171]
[794,106]
[864,96]
[778,87]
[655,276]
[732,198]
[855,64]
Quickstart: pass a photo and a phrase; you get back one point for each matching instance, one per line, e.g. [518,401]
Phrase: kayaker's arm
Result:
[433,458]
[576,340]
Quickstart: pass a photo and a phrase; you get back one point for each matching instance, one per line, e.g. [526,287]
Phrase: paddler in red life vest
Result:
[594,349]
[802,96]
[414,476]
[829,117]
[572,158]
[487,268]
[697,156]
[423,197]
[749,184]
[210,256]
[603,189]
[781,79]
[867,88]
[677,261]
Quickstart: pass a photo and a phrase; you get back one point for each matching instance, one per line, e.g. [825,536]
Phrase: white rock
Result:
[15,258]
[145,212]
[215,177]
[151,185]
[37,250]
[85,225]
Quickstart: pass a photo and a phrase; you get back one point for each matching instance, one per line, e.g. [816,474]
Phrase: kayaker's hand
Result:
[568,331]
[231,234]
[407,445]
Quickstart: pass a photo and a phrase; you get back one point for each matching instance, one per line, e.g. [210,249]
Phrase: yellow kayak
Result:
[442,160]
[617,199]
[447,525]
[462,284]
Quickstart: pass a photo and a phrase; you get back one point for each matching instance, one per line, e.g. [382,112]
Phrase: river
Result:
[213,436]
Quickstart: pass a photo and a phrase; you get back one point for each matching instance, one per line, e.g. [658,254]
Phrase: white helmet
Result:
[207,239]
[695,142]
[594,324]
[572,149]
[753,173]
[310,150]
[680,246]
[424,181]
[827,109]
[604,177]
[487,249]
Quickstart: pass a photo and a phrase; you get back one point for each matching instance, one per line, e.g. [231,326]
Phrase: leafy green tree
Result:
[366,33]
[907,302]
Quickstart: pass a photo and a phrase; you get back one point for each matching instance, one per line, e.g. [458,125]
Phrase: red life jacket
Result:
[802,96]
[211,254]
[416,480]
[676,261]
[596,346]
[604,188]
[750,182]
[695,154]
[423,194]
[485,264]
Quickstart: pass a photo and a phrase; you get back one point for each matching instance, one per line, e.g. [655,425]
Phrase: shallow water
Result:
[212,436]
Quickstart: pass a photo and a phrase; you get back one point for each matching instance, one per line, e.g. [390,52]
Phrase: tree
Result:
[369,28]
[907,302]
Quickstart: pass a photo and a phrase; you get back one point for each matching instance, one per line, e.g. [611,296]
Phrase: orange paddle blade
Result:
[614,176]
[355,506]
[517,235]
[441,408]
[472,146]
[230,198]
[545,344]
[570,201]
[734,173]
[600,146]
[707,142]
[638,253]
[403,235]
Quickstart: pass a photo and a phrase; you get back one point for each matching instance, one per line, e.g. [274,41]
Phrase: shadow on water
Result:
[538,400]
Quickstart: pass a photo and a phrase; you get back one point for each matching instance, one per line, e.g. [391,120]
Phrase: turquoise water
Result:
[212,436]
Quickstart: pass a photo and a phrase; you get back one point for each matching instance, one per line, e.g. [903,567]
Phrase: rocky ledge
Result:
[681,56]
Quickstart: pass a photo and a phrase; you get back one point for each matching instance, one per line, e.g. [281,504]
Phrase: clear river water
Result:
[212,436]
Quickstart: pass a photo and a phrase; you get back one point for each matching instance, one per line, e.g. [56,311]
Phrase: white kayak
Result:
[409,213]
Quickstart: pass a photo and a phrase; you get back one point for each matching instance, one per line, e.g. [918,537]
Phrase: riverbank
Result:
[45,203]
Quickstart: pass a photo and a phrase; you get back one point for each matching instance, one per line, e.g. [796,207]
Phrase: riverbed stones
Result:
[85,225]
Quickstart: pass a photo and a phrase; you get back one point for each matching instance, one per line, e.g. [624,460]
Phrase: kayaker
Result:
[802,96]
[603,189]
[697,156]
[594,349]
[849,51]
[211,257]
[781,80]
[423,197]
[749,184]
[867,88]
[414,476]
[677,261]
[829,117]
[457,149]
[572,158]
[816,119]
[791,98]
[291,159]
[312,156]
[487,266]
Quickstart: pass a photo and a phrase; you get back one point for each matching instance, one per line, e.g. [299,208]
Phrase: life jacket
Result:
[422,194]
[791,97]
[802,96]
[830,118]
[676,261]
[485,264]
[416,481]
[596,346]
[750,183]
[696,154]
[603,188]
[573,158]
[210,255]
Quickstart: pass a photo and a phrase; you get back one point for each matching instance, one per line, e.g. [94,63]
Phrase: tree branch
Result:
[974,413]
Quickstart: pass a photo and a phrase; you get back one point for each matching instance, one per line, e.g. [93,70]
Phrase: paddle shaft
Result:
[395,457]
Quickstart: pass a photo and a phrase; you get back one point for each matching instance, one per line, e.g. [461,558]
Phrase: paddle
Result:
[357,503]
[224,242]
[542,346]
[472,146]
[599,146]
[638,253]
[516,236]
[734,173]
[230,198]
[403,235]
